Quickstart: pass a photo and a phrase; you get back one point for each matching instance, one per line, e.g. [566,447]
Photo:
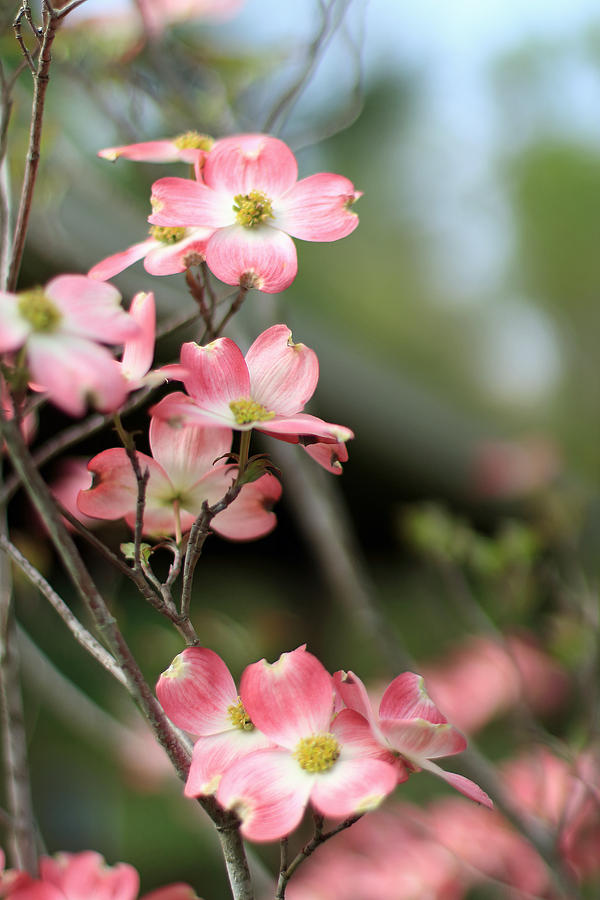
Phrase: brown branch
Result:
[319,837]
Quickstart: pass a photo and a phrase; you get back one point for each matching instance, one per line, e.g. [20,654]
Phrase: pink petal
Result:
[73,370]
[406,698]
[304,424]
[462,784]
[181,202]
[283,375]
[196,691]
[138,352]
[187,453]
[179,409]
[112,265]
[85,875]
[354,694]
[353,786]
[417,739]
[359,737]
[148,151]
[28,889]
[214,754]
[169,259]
[114,490]
[317,208]
[248,162]
[269,791]
[14,330]
[217,375]
[178,891]
[250,516]
[289,699]
[330,456]
[261,257]
[71,476]
[91,308]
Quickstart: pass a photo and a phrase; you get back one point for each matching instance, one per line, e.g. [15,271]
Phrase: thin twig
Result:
[319,837]
[233,309]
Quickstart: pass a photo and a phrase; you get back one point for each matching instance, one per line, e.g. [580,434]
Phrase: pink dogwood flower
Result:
[249,195]
[61,328]
[190,147]
[199,695]
[332,762]
[85,876]
[168,251]
[138,351]
[182,477]
[411,726]
[267,390]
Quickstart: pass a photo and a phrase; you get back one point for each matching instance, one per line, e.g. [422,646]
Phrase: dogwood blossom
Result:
[332,762]
[267,390]
[61,328]
[189,147]
[249,195]
[182,477]
[199,695]
[411,726]
[167,251]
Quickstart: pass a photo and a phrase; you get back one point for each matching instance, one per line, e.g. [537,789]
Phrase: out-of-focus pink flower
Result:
[411,725]
[249,195]
[182,478]
[167,252]
[509,469]
[483,678]
[335,764]
[267,390]
[159,13]
[138,351]
[199,695]
[28,423]
[190,147]
[70,477]
[85,876]
[61,327]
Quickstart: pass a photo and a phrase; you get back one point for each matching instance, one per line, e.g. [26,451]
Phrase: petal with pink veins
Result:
[250,162]
[460,783]
[269,792]
[417,739]
[217,375]
[250,515]
[317,208]
[358,737]
[114,490]
[354,694]
[305,424]
[138,351]
[147,151]
[197,690]
[407,698]
[84,875]
[261,257]
[112,265]
[169,259]
[330,456]
[91,308]
[289,699]
[187,453]
[179,409]
[283,375]
[353,786]
[214,754]
[181,201]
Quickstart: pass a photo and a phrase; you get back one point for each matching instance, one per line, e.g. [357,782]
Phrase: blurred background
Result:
[457,332]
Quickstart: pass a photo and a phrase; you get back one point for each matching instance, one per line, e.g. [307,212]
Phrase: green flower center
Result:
[39,310]
[239,717]
[247,410]
[193,140]
[317,753]
[252,209]
[167,235]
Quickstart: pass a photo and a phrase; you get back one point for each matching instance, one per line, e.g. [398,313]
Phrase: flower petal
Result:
[269,791]
[283,375]
[177,891]
[250,515]
[114,490]
[318,208]
[261,257]
[248,162]
[87,875]
[91,308]
[406,698]
[181,201]
[289,699]
[14,329]
[148,151]
[196,691]
[354,694]
[180,410]
[353,786]
[112,265]
[187,453]
[303,424]
[217,375]
[169,259]
[417,739]
[214,754]
[138,351]
[462,784]
[330,456]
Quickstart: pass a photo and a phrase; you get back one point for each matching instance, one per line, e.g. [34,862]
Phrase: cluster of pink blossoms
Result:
[74,876]
[239,214]
[294,735]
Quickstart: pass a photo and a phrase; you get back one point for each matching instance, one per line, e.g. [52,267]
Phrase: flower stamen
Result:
[193,140]
[167,235]
[252,209]
[39,310]
[317,753]
[238,716]
[247,410]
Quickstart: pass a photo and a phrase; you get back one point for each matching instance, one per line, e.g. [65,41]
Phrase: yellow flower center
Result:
[317,753]
[252,209]
[167,235]
[239,717]
[247,410]
[39,310]
[193,140]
